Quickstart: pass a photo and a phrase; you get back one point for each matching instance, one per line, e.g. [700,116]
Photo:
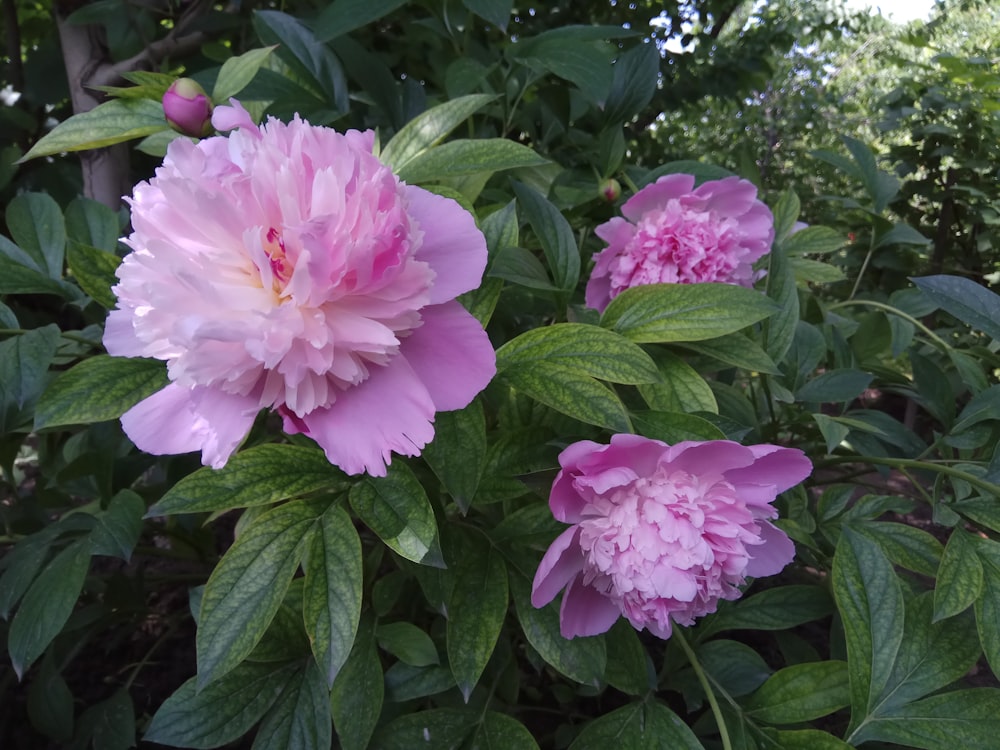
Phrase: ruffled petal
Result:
[773,465]
[390,412]
[229,118]
[452,245]
[713,457]
[656,195]
[585,611]
[451,354]
[562,561]
[770,557]
[181,420]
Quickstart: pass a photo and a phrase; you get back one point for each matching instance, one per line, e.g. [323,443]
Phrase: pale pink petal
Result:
[770,557]
[711,457]
[452,244]
[585,611]
[451,354]
[180,420]
[229,118]
[561,562]
[653,196]
[730,195]
[119,335]
[775,466]
[390,412]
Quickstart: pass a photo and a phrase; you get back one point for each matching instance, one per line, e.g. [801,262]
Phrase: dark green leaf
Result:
[988,611]
[300,718]
[674,427]
[343,16]
[94,271]
[901,234]
[520,266]
[408,643]
[680,387]
[357,693]
[24,364]
[780,327]
[98,389]
[466,157]
[629,668]
[47,605]
[736,350]
[835,386]
[984,406]
[585,348]
[405,683]
[22,564]
[786,213]
[813,241]
[429,128]
[638,726]
[16,278]
[809,739]
[962,718]
[774,609]
[972,303]
[220,712]
[261,475]
[501,731]
[50,703]
[118,528]
[36,225]
[736,667]
[633,83]
[248,585]
[397,509]
[554,233]
[438,728]
[497,12]
[476,611]
[585,63]
[112,122]
[458,454]
[580,659]
[91,223]
[959,577]
[910,547]
[331,604]
[801,693]
[684,312]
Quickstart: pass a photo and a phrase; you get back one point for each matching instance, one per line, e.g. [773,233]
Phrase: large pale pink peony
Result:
[661,533]
[675,234]
[285,267]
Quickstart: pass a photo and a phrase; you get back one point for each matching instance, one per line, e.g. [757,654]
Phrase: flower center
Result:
[281,266]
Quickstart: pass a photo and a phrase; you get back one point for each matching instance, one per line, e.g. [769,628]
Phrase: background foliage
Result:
[278,601]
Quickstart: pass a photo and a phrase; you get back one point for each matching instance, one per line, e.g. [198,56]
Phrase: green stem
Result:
[864,267]
[906,463]
[709,693]
[898,313]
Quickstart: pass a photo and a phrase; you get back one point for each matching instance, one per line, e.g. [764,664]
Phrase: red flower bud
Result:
[610,189]
[187,108]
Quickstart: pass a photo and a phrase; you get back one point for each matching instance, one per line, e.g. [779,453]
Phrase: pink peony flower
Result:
[660,533]
[285,267]
[673,234]
[187,108]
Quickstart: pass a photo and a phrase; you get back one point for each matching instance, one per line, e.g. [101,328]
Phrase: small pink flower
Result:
[285,267]
[187,108]
[660,533]
[674,234]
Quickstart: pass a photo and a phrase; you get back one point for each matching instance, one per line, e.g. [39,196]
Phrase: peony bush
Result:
[409,404]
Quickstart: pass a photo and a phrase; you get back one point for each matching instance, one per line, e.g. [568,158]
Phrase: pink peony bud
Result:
[610,190]
[187,108]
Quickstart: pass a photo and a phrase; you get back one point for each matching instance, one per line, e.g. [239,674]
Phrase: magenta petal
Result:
[770,557]
[452,245]
[712,457]
[585,611]
[773,465]
[562,561]
[564,499]
[389,412]
[179,420]
[451,354]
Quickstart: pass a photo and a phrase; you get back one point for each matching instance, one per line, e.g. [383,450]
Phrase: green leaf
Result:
[357,693]
[438,728]
[629,668]
[497,12]
[808,271]
[237,72]
[988,611]
[736,350]
[835,386]
[962,718]
[397,509]
[114,722]
[458,453]
[94,270]
[47,605]
[261,475]
[580,659]
[780,328]
[112,122]
[833,431]
[736,667]
[572,393]
[809,739]
[583,62]
[498,730]
[50,703]
[779,608]
[684,312]
[119,527]
[17,278]
[89,222]
[248,585]
[429,128]
[674,427]
[300,718]
[813,241]
[633,83]
[36,224]
[405,683]
[465,157]
[972,303]
[476,611]
[583,348]
[408,643]
[98,389]
[638,726]
[344,16]
[520,266]
[220,712]
[870,601]
[800,693]
[22,563]
[910,547]
[880,187]
[554,233]
[681,388]
[959,576]
[24,364]
[331,603]
[786,213]
[983,407]
[901,234]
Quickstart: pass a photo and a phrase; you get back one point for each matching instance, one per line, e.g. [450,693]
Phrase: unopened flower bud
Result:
[610,190]
[187,108]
